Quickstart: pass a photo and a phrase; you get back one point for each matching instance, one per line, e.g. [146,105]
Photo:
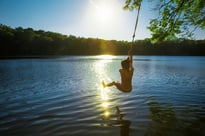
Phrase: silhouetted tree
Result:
[29,42]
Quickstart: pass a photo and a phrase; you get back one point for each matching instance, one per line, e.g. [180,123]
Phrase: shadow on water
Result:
[116,120]
[112,117]
[168,120]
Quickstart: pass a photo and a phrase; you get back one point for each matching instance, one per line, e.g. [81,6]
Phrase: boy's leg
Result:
[119,86]
[109,84]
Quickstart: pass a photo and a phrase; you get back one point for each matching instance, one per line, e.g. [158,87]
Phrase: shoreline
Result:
[58,56]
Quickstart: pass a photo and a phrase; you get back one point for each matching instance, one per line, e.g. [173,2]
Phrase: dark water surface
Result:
[63,96]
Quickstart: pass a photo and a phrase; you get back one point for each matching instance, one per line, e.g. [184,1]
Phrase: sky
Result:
[104,19]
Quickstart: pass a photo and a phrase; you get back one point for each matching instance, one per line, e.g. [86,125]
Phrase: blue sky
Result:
[85,18]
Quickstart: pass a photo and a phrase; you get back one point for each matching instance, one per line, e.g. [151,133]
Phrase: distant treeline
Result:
[28,42]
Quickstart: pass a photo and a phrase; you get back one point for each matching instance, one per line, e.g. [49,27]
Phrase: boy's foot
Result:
[103,84]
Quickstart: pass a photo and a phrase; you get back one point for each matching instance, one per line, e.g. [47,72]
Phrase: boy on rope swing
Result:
[127,70]
[126,74]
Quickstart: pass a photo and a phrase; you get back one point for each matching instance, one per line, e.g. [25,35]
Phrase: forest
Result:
[27,42]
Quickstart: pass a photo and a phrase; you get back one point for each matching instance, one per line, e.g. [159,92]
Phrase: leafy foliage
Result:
[176,18]
[132,4]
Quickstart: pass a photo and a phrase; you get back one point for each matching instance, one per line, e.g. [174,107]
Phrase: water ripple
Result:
[57,97]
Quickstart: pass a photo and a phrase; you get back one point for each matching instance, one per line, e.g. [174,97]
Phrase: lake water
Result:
[64,96]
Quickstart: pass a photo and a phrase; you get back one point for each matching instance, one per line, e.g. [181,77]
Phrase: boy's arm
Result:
[130,58]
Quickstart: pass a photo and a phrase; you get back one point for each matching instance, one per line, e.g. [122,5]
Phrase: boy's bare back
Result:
[126,78]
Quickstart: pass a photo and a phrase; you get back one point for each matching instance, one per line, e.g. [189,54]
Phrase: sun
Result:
[104,19]
[104,10]
[104,14]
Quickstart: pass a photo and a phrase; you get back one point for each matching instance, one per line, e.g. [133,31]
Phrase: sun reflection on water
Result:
[105,105]
[105,102]
[100,69]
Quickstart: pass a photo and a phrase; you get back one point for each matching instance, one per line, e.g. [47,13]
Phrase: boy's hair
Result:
[125,63]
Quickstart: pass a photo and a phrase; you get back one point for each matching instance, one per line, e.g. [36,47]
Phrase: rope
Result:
[133,36]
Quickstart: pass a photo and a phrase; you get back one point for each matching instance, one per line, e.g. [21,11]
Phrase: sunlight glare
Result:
[105,19]
[104,14]
[106,57]
[106,114]
[101,64]
[104,11]
[104,94]
[105,105]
